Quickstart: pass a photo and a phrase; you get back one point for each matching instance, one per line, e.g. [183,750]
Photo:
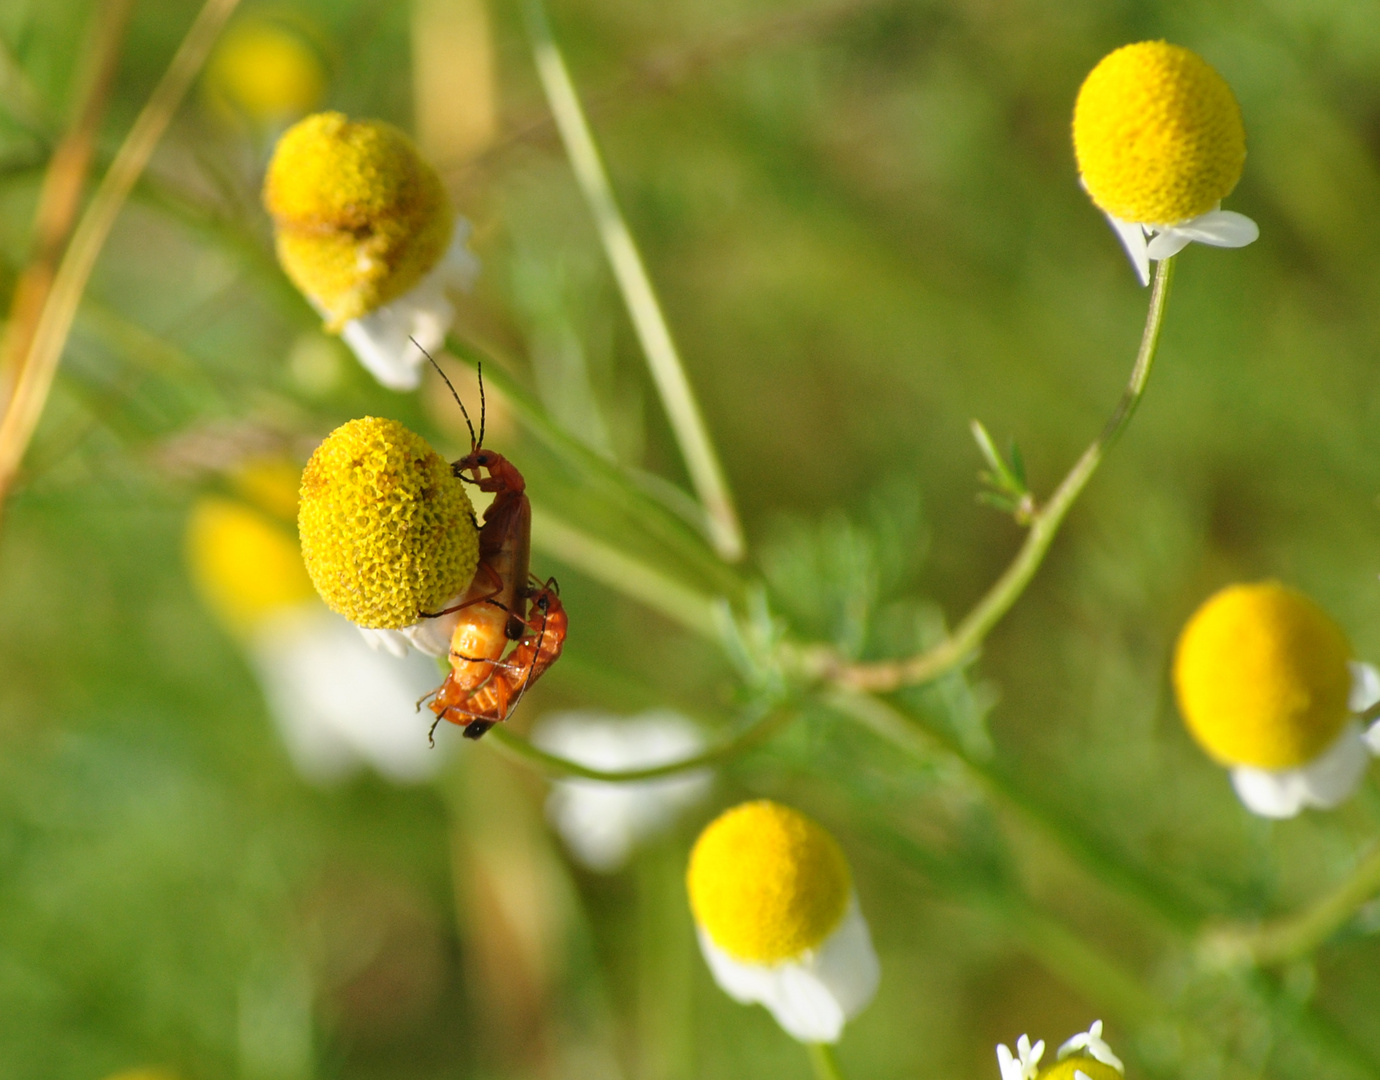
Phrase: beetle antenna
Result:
[451,386]
[479,370]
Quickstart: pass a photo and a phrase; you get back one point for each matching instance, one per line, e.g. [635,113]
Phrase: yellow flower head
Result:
[265,72]
[1158,134]
[360,217]
[1261,675]
[1088,1066]
[387,532]
[244,563]
[766,883]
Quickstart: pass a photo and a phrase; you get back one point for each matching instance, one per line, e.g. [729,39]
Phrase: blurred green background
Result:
[865,223]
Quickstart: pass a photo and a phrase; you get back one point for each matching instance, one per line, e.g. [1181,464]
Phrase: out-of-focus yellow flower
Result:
[1159,141]
[1267,686]
[245,563]
[387,531]
[336,701]
[778,920]
[266,72]
[143,1074]
[365,230]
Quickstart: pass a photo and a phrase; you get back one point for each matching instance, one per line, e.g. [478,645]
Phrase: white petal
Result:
[1096,1046]
[1365,687]
[1133,240]
[1220,228]
[1168,242]
[812,996]
[383,339]
[602,823]
[431,637]
[1325,782]
[1007,1065]
[392,642]
[338,703]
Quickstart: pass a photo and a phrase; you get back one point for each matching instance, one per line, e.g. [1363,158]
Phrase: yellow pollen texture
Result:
[1088,1066]
[244,562]
[360,218]
[387,532]
[766,883]
[1158,134]
[1261,676]
[265,72]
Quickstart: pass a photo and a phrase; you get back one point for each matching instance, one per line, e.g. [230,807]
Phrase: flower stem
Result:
[39,366]
[701,460]
[884,676]
[824,1060]
[757,731]
[1295,936]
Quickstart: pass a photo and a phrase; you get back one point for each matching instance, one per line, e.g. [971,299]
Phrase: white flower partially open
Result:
[601,823]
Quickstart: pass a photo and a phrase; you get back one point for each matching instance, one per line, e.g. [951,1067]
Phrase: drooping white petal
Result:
[1219,228]
[1167,243]
[339,704]
[1325,782]
[813,996]
[1132,238]
[1365,687]
[1025,1065]
[431,637]
[601,823]
[383,339]
[1092,1042]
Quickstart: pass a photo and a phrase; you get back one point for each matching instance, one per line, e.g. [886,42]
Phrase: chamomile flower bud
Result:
[778,921]
[1160,143]
[337,703]
[264,73]
[1086,1056]
[364,229]
[388,533]
[601,823]
[1267,686]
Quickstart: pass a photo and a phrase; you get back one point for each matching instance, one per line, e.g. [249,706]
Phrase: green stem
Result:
[1292,937]
[825,1062]
[683,411]
[887,675]
[757,731]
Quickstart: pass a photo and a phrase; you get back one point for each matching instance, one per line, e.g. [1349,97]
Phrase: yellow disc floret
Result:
[1088,1066]
[387,532]
[766,883]
[265,72]
[360,217]
[1158,134]
[1261,675]
[245,563]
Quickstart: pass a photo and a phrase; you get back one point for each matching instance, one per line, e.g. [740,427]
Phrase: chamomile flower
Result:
[778,921]
[388,534]
[1268,687]
[265,73]
[1160,143]
[601,823]
[336,702]
[1086,1056]
[364,229]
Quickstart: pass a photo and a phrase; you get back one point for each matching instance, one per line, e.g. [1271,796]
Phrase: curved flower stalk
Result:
[388,534]
[601,822]
[337,703]
[1267,686]
[365,230]
[778,920]
[1160,143]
